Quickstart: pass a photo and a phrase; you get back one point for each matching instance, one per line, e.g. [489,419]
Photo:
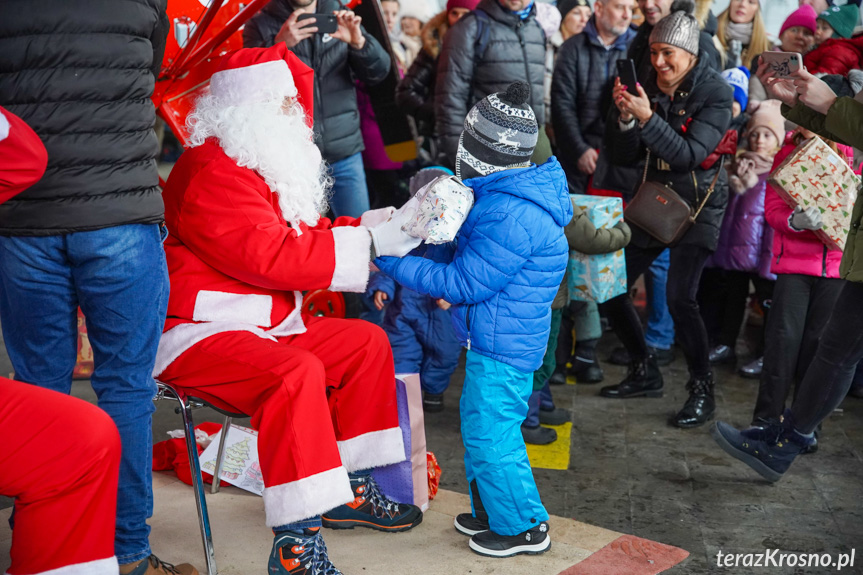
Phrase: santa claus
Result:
[246,238]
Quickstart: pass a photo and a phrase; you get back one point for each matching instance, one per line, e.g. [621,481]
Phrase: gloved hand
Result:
[808,219]
[372,218]
[389,239]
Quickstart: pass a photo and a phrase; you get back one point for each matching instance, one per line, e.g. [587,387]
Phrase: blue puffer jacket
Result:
[510,259]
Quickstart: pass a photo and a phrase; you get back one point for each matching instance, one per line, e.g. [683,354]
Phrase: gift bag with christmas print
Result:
[815,175]
[598,277]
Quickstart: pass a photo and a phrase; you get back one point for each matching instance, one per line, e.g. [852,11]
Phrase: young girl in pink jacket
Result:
[806,289]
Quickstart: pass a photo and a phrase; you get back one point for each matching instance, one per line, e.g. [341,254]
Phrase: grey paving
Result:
[632,473]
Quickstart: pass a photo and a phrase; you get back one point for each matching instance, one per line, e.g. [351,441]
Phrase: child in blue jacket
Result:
[419,327]
[510,258]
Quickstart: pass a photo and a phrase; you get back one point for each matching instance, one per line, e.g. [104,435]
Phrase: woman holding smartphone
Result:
[678,117]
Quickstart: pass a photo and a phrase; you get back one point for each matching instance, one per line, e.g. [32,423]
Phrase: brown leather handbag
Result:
[661,212]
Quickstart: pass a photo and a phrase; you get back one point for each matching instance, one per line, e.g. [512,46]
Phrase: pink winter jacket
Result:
[797,252]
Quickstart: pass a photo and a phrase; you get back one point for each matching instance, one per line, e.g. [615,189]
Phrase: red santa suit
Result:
[59,456]
[320,390]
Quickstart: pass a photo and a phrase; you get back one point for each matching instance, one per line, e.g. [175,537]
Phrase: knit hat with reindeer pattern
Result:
[500,132]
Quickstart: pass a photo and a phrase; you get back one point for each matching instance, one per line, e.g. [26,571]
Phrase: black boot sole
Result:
[521,550]
[351,523]
[753,462]
[674,423]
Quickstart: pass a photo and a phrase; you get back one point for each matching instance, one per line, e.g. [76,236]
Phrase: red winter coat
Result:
[797,252]
[22,156]
[235,264]
[836,56]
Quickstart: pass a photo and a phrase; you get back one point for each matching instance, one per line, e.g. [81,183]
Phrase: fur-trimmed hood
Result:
[433,32]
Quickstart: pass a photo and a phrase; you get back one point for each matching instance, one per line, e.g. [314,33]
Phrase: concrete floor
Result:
[631,473]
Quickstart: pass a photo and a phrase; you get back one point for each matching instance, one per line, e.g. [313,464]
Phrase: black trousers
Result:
[829,376]
[684,274]
[801,309]
[722,297]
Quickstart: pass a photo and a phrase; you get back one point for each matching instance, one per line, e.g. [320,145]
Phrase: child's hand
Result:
[443,304]
[380,298]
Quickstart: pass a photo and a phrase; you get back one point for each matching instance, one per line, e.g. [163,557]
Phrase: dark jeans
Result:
[684,274]
[723,295]
[801,309]
[829,376]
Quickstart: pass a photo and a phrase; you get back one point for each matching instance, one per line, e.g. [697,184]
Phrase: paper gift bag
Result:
[597,277]
[407,482]
[815,175]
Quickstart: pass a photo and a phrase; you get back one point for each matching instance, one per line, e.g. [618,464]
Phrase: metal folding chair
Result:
[187,403]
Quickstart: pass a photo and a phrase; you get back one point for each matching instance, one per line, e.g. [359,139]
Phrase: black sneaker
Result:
[371,508]
[532,542]
[643,380]
[295,554]
[467,524]
[768,450]
[538,435]
[555,416]
[586,371]
[432,402]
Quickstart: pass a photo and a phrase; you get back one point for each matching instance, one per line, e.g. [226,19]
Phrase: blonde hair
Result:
[758,42]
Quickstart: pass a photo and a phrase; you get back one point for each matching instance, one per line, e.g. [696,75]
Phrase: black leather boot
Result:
[700,406]
[643,380]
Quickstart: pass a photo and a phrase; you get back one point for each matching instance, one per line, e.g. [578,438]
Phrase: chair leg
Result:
[220,456]
[198,487]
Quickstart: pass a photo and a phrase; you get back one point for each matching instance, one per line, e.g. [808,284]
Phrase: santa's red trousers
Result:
[323,402]
[59,459]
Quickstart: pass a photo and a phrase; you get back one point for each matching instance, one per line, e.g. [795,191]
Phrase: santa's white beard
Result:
[277,145]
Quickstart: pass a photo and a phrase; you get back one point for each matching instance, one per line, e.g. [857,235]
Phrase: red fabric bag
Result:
[172,454]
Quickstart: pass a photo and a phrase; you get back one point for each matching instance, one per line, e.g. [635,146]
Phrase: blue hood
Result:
[543,185]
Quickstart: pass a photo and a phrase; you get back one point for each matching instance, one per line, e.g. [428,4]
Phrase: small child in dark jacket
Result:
[419,327]
[510,257]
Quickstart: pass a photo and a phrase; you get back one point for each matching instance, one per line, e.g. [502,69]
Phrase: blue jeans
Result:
[350,193]
[660,325]
[493,407]
[119,278]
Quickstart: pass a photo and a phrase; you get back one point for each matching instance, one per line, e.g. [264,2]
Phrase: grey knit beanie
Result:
[680,28]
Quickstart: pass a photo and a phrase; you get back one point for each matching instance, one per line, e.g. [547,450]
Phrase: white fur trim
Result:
[373,449]
[180,338]
[254,309]
[4,127]
[98,567]
[256,83]
[307,497]
[352,247]
[293,324]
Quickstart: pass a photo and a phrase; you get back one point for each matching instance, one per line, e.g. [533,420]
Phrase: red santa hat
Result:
[254,75]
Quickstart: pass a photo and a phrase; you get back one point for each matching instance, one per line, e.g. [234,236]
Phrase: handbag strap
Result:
[710,189]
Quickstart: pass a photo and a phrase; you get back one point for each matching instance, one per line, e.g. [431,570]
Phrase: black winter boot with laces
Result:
[643,380]
[300,554]
[371,508]
[700,406]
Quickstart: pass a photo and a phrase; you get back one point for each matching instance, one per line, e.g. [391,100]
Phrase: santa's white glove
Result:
[388,238]
[808,219]
[372,218]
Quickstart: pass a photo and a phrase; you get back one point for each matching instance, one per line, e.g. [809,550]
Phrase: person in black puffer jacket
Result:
[415,92]
[337,64]
[81,73]
[514,51]
[680,116]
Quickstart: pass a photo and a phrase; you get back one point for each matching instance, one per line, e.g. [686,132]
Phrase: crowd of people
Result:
[285,187]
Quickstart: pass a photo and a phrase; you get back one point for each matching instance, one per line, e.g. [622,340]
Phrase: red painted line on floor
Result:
[629,555]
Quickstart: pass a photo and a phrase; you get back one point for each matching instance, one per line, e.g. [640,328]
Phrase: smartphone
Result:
[783,64]
[325,23]
[626,73]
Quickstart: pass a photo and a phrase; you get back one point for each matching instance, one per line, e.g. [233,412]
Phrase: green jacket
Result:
[583,237]
[844,124]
